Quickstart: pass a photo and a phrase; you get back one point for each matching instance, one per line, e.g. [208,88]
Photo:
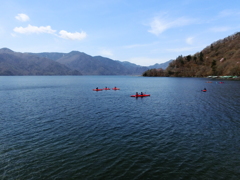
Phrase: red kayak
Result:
[115,88]
[106,88]
[97,89]
[140,95]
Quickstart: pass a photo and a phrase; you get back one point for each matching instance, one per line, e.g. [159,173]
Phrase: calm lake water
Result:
[56,127]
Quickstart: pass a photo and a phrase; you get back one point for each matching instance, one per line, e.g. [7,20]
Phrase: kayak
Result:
[115,88]
[144,95]
[204,90]
[106,88]
[97,89]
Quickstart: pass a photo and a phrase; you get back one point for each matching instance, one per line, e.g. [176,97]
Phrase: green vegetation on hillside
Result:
[221,58]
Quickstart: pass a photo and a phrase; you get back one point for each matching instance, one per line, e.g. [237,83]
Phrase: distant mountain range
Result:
[162,65]
[73,63]
[14,63]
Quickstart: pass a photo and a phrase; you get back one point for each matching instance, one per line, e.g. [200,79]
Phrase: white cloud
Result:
[189,40]
[34,29]
[47,29]
[160,24]
[106,53]
[22,17]
[73,36]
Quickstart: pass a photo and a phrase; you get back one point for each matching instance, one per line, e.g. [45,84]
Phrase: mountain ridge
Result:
[59,55]
[15,63]
[77,63]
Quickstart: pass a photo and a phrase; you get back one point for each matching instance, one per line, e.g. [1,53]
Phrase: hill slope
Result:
[221,58]
[13,63]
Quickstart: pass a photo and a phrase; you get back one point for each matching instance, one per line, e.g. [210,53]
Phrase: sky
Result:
[143,32]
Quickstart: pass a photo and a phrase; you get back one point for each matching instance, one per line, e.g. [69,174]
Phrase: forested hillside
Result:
[221,58]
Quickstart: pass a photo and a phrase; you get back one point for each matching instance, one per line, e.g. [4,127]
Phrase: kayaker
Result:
[136,93]
[96,88]
[141,93]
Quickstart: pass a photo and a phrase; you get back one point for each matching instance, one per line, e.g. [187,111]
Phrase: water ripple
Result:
[57,129]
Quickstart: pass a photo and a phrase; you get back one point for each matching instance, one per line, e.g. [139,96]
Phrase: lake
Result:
[57,127]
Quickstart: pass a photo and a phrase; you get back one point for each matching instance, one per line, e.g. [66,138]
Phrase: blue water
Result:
[56,127]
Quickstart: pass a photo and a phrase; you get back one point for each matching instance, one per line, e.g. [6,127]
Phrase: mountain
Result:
[50,55]
[73,63]
[162,65]
[131,67]
[14,63]
[221,58]
[89,65]
[98,65]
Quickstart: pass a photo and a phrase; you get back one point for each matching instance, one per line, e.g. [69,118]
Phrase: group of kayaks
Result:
[106,88]
[115,88]
[142,94]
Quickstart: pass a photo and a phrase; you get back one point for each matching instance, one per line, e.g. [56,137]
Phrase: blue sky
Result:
[139,31]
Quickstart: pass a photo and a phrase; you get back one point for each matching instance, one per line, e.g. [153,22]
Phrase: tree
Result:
[201,57]
[211,47]
[213,66]
[189,58]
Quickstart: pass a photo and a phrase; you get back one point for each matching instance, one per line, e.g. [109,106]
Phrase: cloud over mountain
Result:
[34,29]
[30,29]
[73,36]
